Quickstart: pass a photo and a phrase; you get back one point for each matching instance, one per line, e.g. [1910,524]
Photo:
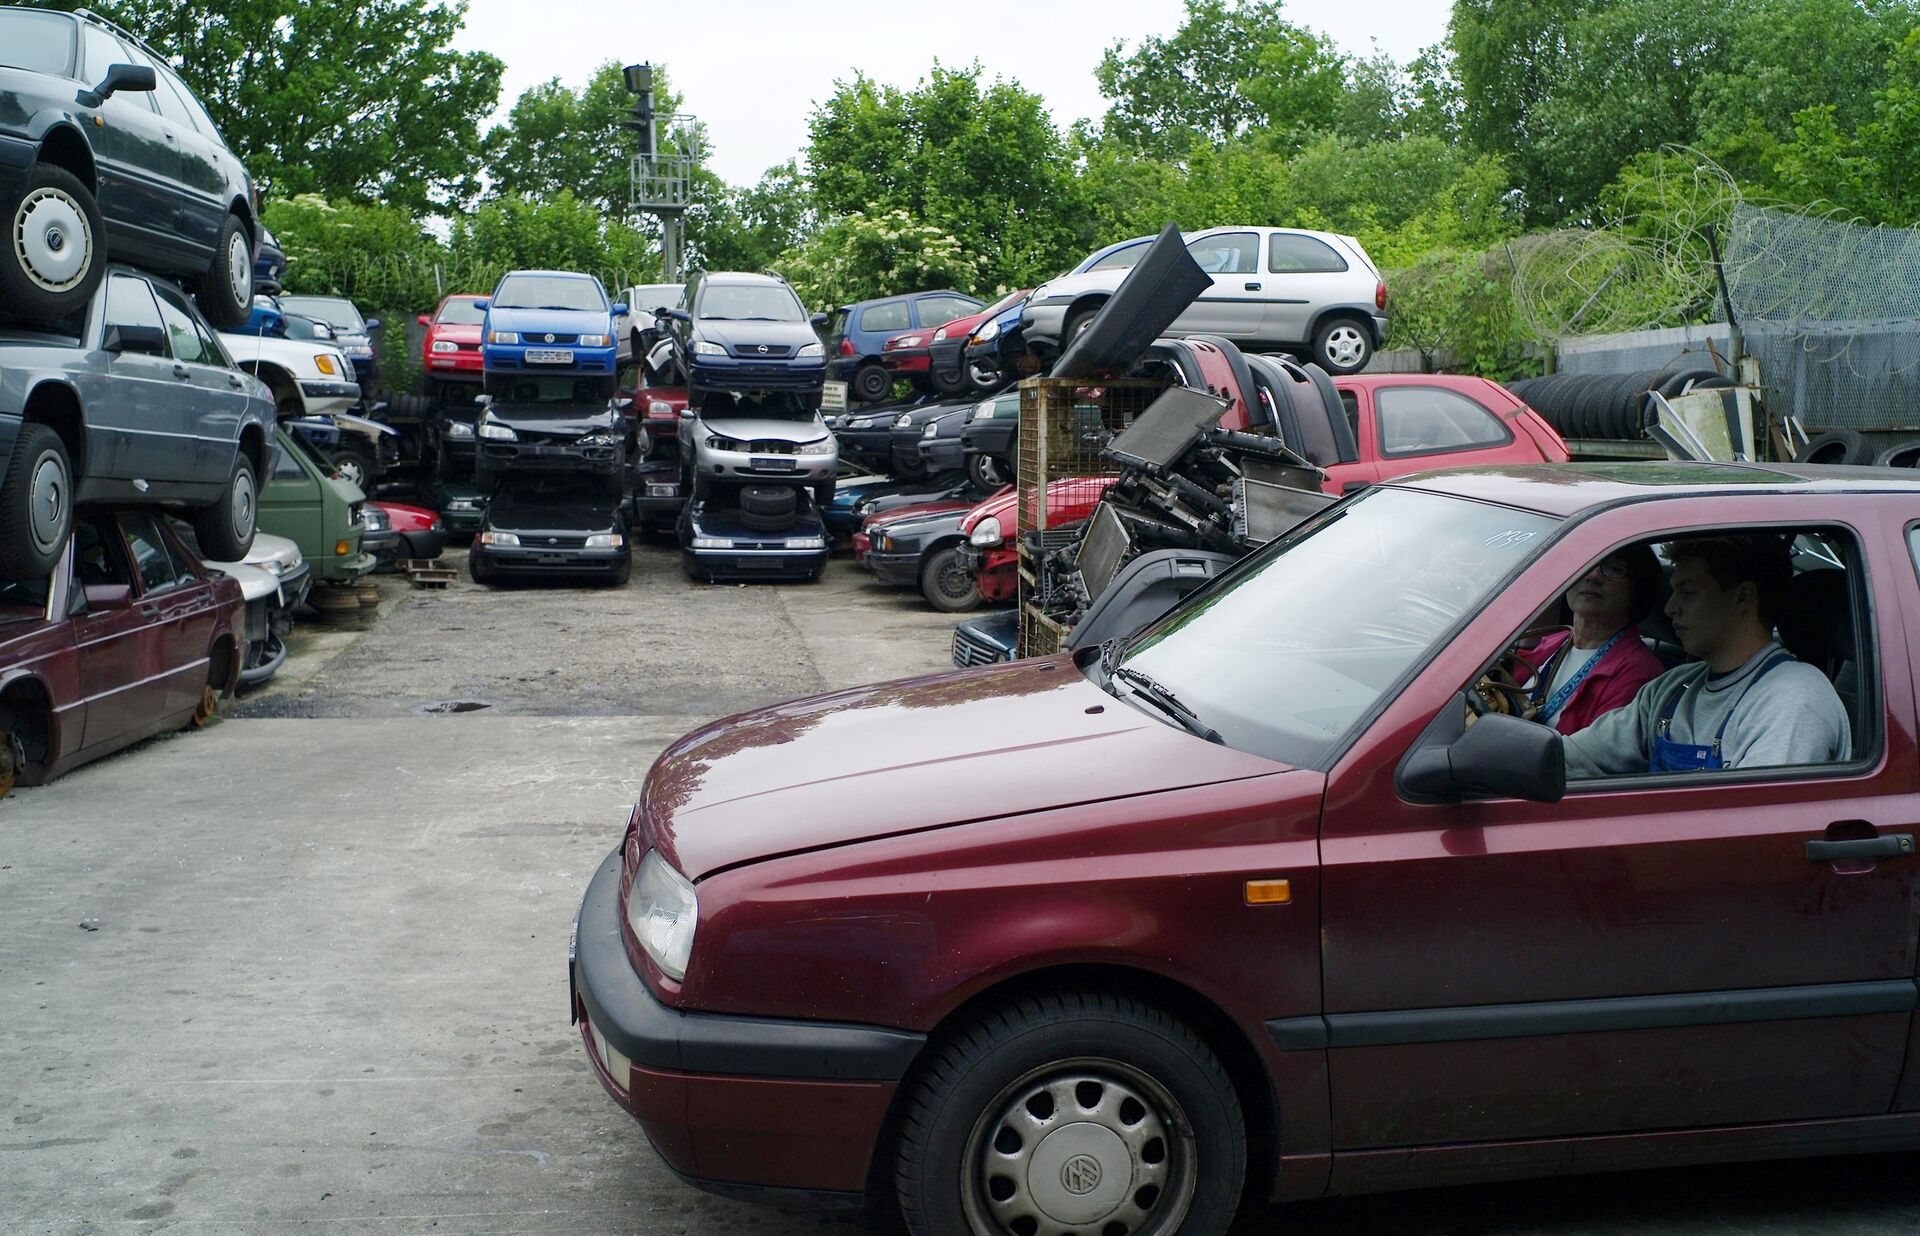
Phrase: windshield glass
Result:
[750,301]
[461,313]
[549,292]
[38,42]
[1291,651]
[329,309]
[22,600]
[650,296]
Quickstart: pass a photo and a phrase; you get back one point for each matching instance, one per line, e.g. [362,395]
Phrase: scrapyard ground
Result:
[305,970]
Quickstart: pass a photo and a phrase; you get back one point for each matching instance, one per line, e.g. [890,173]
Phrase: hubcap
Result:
[1086,1146]
[240,268]
[349,471]
[242,508]
[1345,346]
[47,518]
[51,240]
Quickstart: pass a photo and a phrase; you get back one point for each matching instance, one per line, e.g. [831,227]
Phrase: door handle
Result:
[1253,287]
[181,371]
[1893,845]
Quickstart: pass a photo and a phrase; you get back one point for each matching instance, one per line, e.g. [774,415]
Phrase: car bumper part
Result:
[495,457]
[988,438]
[426,543]
[743,465]
[386,547]
[543,560]
[900,570]
[947,356]
[719,1096]
[726,373]
[508,359]
[747,563]
[906,360]
[943,455]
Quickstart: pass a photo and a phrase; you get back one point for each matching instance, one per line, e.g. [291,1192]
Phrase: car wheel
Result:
[1077,325]
[36,504]
[354,463]
[769,500]
[1342,345]
[984,378]
[55,246]
[871,384]
[986,472]
[207,710]
[1847,447]
[947,383]
[1073,1112]
[225,292]
[225,529]
[948,586]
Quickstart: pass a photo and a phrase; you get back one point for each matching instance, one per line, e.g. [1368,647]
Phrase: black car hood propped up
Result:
[546,508]
[740,335]
[1154,293]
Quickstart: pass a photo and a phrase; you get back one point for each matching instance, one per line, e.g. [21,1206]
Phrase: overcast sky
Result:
[752,70]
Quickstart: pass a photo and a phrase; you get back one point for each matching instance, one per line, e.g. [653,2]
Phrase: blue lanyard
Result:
[1560,697]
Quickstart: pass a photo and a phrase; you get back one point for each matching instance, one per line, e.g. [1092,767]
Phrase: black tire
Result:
[987,472]
[1077,325]
[1847,447]
[36,504]
[948,383]
[354,462]
[225,529]
[769,499]
[54,246]
[225,291]
[1343,344]
[755,521]
[1126,1067]
[948,586]
[872,384]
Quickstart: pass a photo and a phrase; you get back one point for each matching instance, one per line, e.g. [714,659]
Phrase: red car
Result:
[450,356]
[986,548]
[129,637]
[395,531]
[933,358]
[1246,910]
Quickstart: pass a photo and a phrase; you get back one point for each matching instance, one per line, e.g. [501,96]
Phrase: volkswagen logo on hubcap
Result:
[1080,1175]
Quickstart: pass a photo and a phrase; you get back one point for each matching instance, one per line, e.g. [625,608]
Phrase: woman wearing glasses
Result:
[1601,664]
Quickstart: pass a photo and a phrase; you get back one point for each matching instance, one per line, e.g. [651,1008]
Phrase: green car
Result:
[317,511]
[461,504]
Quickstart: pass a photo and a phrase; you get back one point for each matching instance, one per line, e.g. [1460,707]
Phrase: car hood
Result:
[746,334]
[919,510]
[1062,495]
[545,512]
[456,332]
[270,548]
[918,754]
[1066,287]
[555,418]
[550,321]
[255,582]
[764,428]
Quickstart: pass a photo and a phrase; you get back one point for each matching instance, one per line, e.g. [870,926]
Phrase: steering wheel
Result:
[1510,684]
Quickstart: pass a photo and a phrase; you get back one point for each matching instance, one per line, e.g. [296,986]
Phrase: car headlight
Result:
[940,334]
[717,443]
[659,407]
[810,349]
[599,439]
[463,504]
[903,420]
[933,428]
[986,533]
[882,541]
[985,410]
[499,538]
[503,336]
[806,542]
[604,540]
[663,911]
[458,429]
[272,566]
[712,542]
[445,345]
[911,341]
[498,433]
[325,364]
[595,341]
[376,519]
[704,347]
[987,333]
[823,446]
[865,422]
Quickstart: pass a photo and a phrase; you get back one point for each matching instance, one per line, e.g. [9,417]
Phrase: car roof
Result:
[1571,489]
[551,274]
[742,276]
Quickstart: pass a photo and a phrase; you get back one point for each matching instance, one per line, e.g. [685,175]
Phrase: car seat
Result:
[1816,625]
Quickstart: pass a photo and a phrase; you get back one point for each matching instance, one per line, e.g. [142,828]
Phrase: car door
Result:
[120,649]
[1417,427]
[1232,306]
[1303,275]
[126,424]
[291,504]
[1648,953]
[208,400]
[203,161]
[137,161]
[173,602]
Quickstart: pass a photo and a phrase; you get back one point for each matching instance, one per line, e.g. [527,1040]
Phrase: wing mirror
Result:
[109,596]
[483,305]
[1496,757]
[140,340]
[373,324]
[424,320]
[119,77]
[619,310]
[818,320]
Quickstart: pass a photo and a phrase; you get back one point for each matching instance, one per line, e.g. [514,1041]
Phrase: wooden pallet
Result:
[426,573]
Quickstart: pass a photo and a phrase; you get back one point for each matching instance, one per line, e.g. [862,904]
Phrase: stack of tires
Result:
[1614,406]
[769,508]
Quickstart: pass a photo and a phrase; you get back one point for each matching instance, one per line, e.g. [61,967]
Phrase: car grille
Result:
[771,446]
[553,542]
[542,338]
[771,351]
[968,651]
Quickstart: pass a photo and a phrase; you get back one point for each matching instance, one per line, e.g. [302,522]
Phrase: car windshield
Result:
[329,309]
[549,292]
[37,42]
[750,302]
[648,297]
[1286,654]
[461,313]
[23,600]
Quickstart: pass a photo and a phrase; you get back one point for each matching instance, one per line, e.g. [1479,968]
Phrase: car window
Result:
[1235,253]
[96,555]
[37,42]
[461,313]
[890,316]
[1423,420]
[1121,259]
[939,310]
[99,51]
[548,292]
[1351,402]
[201,120]
[167,98]
[1291,254]
[151,558]
[130,303]
[329,309]
[189,345]
[748,302]
[286,463]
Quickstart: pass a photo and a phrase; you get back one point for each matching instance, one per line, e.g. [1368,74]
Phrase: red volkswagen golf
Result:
[1271,902]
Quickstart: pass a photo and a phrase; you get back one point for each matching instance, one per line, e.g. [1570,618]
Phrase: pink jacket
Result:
[1612,682]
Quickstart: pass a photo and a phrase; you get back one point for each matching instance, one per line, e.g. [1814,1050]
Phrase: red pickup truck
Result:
[1108,940]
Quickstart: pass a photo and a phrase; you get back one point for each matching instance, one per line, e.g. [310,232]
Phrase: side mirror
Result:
[424,320]
[681,316]
[119,77]
[109,596]
[140,340]
[1496,757]
[818,320]
[661,311]
[373,324]
[620,310]
[483,305]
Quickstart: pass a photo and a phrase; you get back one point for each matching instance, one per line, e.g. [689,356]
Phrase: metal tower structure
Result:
[661,174]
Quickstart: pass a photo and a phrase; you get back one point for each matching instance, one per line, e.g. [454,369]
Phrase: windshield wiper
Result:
[1168,703]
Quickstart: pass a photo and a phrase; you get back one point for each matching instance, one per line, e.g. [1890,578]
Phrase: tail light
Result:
[1380,294]
[846,347]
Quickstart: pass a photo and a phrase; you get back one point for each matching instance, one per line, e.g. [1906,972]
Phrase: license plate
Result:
[552,559]
[663,491]
[549,356]
[833,397]
[775,464]
[758,564]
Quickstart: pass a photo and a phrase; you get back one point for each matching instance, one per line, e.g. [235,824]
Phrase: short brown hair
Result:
[1760,557]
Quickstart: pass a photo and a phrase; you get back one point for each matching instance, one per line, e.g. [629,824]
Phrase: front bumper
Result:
[731,1101]
[326,398]
[744,465]
[426,543]
[494,458]
[989,437]
[544,560]
[898,570]
[512,358]
[902,361]
[729,373]
[387,548]
[752,560]
[903,452]
[871,447]
[948,356]
[466,365]
[1041,324]
[943,454]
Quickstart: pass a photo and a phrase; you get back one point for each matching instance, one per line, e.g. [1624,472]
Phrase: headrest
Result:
[1815,618]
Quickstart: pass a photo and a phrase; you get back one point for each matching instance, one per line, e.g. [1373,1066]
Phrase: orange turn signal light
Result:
[342,549]
[1269,892]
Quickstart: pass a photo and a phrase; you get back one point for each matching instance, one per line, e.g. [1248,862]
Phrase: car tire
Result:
[354,462]
[1343,345]
[225,291]
[769,499]
[983,378]
[948,586]
[1159,1103]
[988,472]
[1848,447]
[872,384]
[225,529]
[36,504]
[948,383]
[55,246]
[755,521]
[1077,325]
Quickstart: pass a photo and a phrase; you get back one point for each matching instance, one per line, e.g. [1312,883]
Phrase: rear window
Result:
[1288,254]
[1423,420]
[37,42]
[888,317]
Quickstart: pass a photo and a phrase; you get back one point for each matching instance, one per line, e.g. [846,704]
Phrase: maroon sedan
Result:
[1269,903]
[130,636]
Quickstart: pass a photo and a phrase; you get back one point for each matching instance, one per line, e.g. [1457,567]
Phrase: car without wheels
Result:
[549,323]
[555,527]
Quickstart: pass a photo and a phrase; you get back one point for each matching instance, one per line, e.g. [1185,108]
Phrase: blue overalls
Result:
[1670,756]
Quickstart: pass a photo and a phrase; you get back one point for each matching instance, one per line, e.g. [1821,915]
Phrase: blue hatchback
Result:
[547,324]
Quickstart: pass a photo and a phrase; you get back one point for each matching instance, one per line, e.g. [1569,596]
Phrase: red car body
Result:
[451,350]
[910,353]
[1647,972]
[660,408]
[121,649]
[1070,500]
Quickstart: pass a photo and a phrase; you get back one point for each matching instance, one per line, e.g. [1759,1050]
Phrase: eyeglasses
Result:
[1612,568]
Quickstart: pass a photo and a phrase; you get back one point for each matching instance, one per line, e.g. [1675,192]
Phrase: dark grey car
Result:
[134,400]
[105,154]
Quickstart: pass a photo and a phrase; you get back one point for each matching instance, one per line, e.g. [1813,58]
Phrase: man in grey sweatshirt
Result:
[1746,703]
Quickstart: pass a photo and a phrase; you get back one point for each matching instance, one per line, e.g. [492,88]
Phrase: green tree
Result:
[860,256]
[1869,171]
[562,232]
[749,228]
[366,101]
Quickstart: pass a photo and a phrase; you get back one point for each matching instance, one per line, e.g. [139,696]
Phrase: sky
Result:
[752,70]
